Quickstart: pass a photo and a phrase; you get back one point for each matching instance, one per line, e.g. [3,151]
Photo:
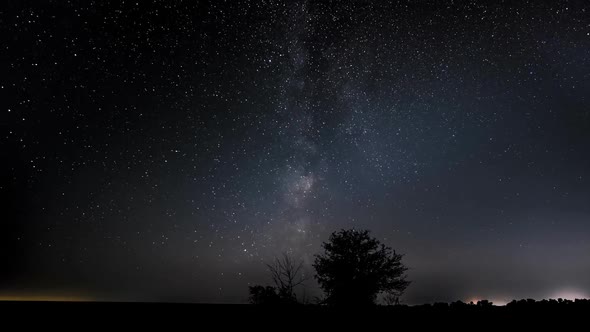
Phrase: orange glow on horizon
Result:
[46,298]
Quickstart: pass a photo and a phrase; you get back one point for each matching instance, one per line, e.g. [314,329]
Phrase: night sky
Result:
[165,150]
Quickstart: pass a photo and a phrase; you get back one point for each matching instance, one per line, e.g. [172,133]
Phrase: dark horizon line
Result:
[140,302]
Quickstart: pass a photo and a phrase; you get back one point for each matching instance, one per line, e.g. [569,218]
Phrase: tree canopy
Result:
[355,268]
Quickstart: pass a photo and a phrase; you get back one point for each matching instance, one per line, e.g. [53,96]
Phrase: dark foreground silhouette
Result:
[353,269]
[209,317]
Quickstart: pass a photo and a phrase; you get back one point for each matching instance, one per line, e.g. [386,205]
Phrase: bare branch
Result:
[287,274]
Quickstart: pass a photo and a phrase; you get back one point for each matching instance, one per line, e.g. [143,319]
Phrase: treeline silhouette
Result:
[458,314]
[514,305]
[355,269]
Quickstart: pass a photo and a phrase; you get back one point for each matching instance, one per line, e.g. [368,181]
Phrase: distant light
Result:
[499,302]
[569,294]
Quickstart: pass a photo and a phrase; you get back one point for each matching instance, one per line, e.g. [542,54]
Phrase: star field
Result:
[164,150]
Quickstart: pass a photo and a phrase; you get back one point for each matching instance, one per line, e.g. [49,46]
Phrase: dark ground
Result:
[169,316]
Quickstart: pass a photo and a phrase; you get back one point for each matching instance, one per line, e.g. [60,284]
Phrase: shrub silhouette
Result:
[356,267]
[263,295]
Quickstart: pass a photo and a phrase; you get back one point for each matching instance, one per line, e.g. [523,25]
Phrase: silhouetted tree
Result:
[484,303]
[356,267]
[458,305]
[286,274]
[392,297]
